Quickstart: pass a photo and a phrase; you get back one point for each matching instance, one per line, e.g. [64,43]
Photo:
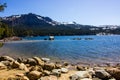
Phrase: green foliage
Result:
[1,32]
[1,44]
[2,6]
[5,31]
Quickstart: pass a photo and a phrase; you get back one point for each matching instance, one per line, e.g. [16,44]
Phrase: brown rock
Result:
[6,58]
[25,78]
[58,66]
[15,64]
[23,67]
[7,63]
[21,60]
[31,61]
[36,68]
[49,66]
[39,61]
[51,77]
[65,64]
[19,74]
[81,68]
[102,74]
[114,72]
[2,66]
[46,73]
[34,75]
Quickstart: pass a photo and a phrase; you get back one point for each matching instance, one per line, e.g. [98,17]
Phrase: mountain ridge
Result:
[33,24]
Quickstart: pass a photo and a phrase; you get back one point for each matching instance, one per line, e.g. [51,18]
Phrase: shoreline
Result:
[37,68]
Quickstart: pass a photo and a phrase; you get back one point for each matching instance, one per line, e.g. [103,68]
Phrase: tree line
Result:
[5,31]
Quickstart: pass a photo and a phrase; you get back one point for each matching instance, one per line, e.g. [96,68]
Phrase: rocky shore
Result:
[37,68]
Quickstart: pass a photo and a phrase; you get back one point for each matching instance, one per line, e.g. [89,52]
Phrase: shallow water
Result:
[102,49]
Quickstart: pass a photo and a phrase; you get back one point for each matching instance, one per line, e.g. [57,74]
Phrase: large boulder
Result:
[80,75]
[49,66]
[39,61]
[6,58]
[115,72]
[34,75]
[31,61]
[102,74]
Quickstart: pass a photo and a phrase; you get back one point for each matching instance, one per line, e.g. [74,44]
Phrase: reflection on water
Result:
[99,49]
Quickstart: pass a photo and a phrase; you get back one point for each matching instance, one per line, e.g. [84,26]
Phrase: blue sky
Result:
[88,12]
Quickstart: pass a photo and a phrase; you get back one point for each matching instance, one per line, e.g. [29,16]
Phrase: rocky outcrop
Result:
[42,69]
